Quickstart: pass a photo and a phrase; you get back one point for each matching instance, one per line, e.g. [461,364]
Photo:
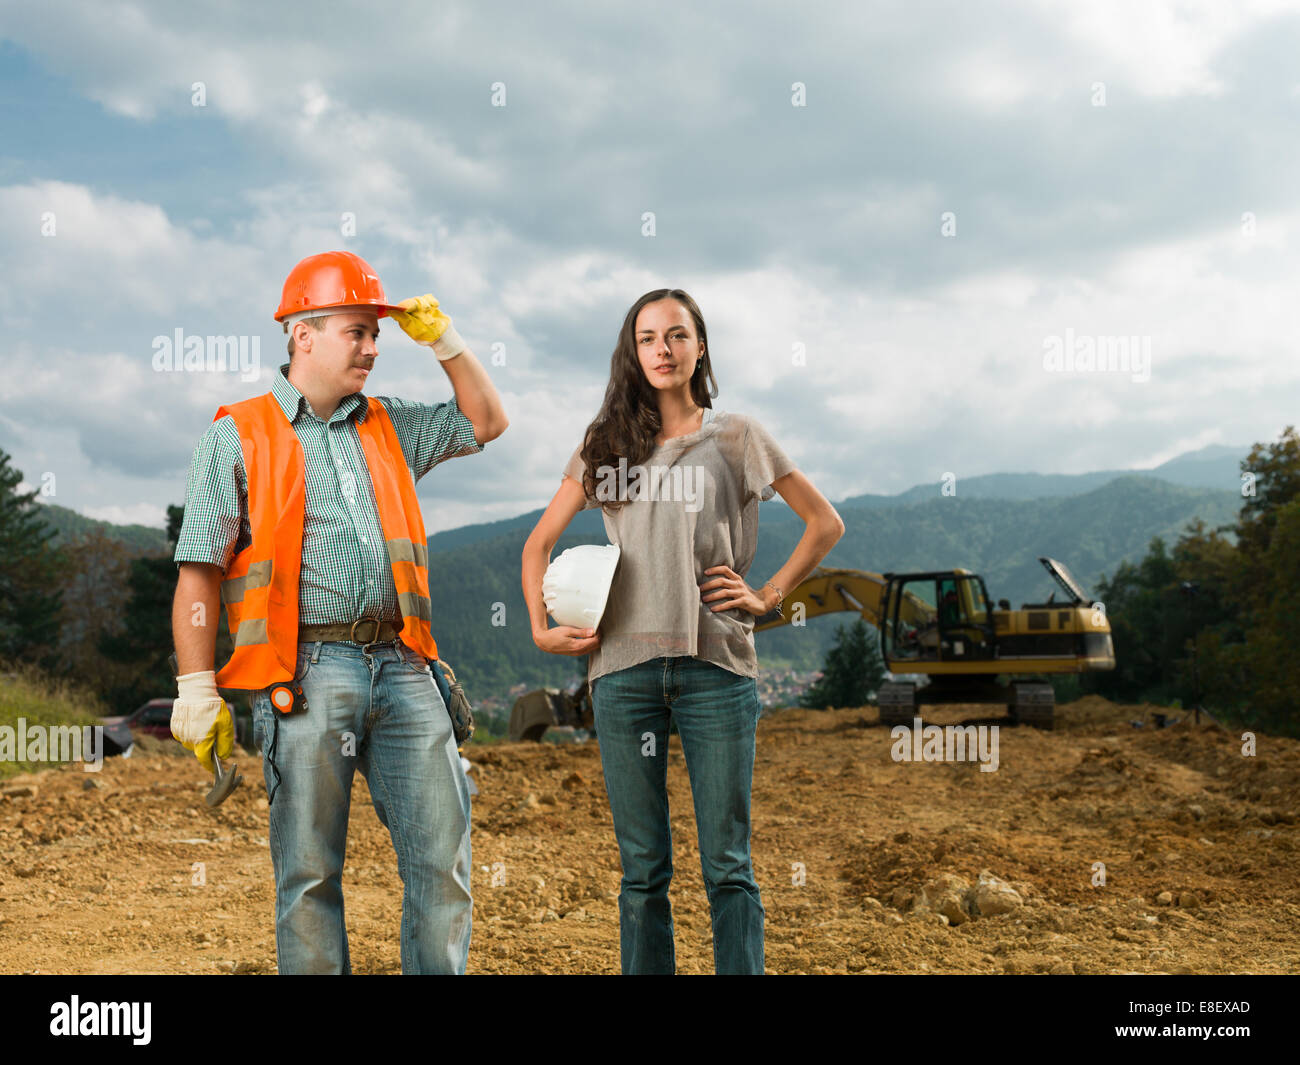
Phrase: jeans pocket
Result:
[303,666]
[413,660]
[260,703]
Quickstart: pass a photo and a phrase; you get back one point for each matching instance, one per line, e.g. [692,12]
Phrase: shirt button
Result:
[364,540]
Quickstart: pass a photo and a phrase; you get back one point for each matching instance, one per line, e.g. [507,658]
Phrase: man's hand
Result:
[733,591]
[425,323]
[201,719]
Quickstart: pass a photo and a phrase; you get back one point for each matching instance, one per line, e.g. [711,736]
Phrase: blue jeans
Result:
[381,712]
[716,712]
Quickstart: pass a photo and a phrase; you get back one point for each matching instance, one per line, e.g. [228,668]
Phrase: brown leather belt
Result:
[362,631]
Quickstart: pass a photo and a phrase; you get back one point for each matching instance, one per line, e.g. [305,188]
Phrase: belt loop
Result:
[315,652]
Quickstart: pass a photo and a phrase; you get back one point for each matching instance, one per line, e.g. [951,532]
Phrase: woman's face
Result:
[666,344]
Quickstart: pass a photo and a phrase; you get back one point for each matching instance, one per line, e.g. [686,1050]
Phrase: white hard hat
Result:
[576,584]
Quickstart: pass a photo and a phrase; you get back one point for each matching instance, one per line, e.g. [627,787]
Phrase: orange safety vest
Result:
[260,588]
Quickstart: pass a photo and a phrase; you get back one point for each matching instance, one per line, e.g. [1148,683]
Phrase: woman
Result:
[679,484]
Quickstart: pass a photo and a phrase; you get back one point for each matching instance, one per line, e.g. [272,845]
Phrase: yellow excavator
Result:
[940,625]
[536,711]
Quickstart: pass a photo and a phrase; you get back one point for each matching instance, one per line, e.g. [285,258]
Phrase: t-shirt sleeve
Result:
[765,462]
[575,468]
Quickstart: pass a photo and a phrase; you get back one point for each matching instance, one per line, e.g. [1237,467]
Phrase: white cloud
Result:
[1210,434]
[994,81]
[922,354]
[109,256]
[1161,47]
[135,514]
[579,281]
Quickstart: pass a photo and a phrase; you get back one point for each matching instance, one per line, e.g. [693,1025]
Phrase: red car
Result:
[153,718]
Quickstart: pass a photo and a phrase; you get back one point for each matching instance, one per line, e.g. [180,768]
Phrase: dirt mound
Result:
[146,744]
[1095,848]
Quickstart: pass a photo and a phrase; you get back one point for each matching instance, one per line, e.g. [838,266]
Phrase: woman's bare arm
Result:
[824,527]
[562,639]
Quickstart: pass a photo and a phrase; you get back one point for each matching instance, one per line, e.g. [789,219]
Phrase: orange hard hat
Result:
[331,281]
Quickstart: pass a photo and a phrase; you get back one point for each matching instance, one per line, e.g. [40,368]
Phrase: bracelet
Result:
[780,595]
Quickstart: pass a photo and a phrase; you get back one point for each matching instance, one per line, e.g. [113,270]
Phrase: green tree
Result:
[1247,656]
[1270,480]
[92,606]
[1148,626]
[145,640]
[1259,677]
[1217,620]
[853,671]
[30,600]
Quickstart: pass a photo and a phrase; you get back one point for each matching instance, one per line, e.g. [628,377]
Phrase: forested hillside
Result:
[474,571]
[1001,540]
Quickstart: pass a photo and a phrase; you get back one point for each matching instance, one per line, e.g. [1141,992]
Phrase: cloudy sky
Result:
[925,200]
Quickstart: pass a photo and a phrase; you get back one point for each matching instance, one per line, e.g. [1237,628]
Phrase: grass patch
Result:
[41,700]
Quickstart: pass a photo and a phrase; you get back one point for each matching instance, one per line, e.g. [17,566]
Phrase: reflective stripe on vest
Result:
[260,588]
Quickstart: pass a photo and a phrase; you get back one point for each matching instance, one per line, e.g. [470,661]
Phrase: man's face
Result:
[341,356]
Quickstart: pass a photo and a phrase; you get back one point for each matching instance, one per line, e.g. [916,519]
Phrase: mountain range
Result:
[996,525]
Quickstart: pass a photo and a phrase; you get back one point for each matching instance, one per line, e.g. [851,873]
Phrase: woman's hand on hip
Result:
[567,640]
[727,591]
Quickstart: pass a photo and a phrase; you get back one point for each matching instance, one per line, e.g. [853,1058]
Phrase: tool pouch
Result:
[462,715]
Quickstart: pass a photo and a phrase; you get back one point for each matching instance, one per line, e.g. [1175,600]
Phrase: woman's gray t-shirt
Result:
[695,506]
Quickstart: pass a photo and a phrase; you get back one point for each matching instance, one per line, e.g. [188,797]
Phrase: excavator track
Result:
[897,703]
[1032,703]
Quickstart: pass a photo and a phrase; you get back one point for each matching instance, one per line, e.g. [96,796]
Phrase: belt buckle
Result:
[352,633]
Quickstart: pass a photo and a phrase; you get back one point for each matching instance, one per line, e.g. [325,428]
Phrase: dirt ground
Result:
[854,854]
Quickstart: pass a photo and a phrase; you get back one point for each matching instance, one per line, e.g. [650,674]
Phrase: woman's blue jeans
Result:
[716,713]
[378,711]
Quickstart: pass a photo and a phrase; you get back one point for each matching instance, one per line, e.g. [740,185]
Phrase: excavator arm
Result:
[827,591]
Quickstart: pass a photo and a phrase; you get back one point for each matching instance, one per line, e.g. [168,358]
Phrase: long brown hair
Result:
[628,420]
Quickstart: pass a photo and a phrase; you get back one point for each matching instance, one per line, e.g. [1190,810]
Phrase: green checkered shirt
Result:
[345,569]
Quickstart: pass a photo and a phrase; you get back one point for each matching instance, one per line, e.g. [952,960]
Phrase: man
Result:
[301,518]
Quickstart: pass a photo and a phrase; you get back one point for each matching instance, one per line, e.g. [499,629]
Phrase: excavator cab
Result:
[936,617]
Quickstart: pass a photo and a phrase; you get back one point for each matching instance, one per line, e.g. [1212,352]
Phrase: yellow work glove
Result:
[201,719]
[424,323]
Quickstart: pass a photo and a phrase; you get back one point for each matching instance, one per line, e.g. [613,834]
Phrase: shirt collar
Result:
[293,402]
[709,425]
